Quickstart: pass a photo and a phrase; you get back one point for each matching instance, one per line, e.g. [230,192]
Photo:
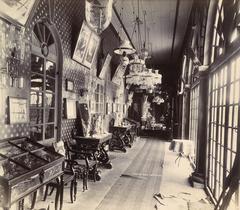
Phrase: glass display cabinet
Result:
[25,166]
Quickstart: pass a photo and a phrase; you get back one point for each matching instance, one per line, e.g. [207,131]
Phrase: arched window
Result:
[44,83]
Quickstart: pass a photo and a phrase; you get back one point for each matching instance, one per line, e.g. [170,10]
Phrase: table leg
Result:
[104,158]
[34,199]
[21,204]
[61,192]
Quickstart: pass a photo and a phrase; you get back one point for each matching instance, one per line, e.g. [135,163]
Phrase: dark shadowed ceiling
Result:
[166,21]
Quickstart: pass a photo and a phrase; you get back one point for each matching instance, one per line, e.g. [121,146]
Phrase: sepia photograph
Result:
[119,104]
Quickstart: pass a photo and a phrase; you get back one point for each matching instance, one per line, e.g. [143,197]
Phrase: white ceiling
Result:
[160,19]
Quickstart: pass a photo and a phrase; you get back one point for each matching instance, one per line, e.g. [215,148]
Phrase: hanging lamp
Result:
[98,14]
[125,48]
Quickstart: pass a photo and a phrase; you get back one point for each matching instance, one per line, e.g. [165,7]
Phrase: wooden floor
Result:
[136,186]
[147,168]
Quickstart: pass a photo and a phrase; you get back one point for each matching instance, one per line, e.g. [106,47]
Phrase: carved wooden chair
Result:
[86,161]
[117,141]
[70,174]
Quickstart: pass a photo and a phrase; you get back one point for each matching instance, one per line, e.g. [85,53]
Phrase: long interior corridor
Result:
[119,104]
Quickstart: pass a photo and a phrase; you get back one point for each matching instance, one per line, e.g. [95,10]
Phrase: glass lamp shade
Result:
[125,48]
[145,79]
[98,14]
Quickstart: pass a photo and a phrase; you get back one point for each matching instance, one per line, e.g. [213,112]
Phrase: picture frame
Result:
[82,43]
[18,112]
[70,108]
[69,85]
[105,66]
[92,48]
[118,75]
[15,12]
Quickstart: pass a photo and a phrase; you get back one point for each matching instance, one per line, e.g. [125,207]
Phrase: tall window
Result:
[224,86]
[99,99]
[194,99]
[226,26]
[43,95]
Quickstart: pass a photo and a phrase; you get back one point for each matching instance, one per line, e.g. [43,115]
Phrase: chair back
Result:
[59,147]
[111,124]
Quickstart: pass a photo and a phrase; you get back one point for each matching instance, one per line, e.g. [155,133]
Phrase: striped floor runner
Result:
[135,188]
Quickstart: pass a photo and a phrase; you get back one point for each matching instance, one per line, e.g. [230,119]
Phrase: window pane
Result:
[50,100]
[36,82]
[50,69]
[36,99]
[49,115]
[49,133]
[36,116]
[37,64]
[50,84]
[36,133]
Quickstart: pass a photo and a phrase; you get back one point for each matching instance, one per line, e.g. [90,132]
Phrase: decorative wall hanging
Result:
[17,110]
[98,14]
[86,47]
[82,42]
[91,49]
[16,11]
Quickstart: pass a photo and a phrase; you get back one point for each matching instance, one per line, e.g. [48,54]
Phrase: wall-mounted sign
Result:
[17,110]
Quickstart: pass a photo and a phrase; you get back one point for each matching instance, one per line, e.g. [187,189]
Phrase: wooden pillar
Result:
[185,114]
[199,174]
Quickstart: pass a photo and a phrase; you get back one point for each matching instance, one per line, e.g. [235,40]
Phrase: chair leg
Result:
[57,197]
[34,199]
[46,193]
[85,179]
[71,190]
[51,191]
[74,188]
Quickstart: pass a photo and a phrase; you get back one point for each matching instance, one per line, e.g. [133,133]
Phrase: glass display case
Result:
[25,166]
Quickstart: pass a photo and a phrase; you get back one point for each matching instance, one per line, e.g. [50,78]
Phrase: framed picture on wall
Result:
[82,43]
[91,49]
[17,110]
[70,108]
[105,66]
[17,11]
[69,85]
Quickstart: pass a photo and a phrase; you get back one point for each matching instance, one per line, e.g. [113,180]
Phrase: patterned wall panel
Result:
[11,38]
[68,20]
[67,17]
[20,39]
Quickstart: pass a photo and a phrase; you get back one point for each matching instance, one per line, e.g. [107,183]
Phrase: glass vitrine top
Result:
[18,157]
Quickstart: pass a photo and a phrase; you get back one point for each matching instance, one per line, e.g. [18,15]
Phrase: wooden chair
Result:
[70,175]
[86,161]
[117,141]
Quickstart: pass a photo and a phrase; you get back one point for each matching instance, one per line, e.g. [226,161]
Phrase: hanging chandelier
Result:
[141,76]
[98,14]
